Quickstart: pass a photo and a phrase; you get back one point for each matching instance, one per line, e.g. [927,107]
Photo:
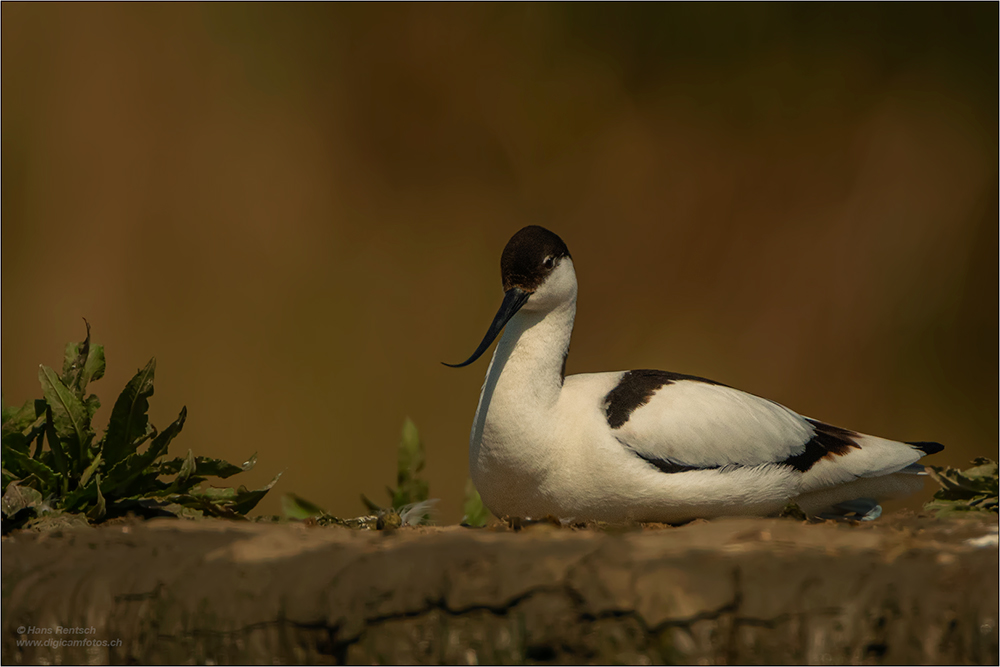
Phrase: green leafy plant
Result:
[410,506]
[113,475]
[295,506]
[965,491]
[791,510]
[410,489]
[410,463]
[475,512]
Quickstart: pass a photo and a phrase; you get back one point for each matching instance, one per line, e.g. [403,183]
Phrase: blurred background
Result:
[299,211]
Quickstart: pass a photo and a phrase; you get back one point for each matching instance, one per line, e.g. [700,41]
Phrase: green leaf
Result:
[55,446]
[247,465]
[220,468]
[240,500]
[91,469]
[79,497]
[23,465]
[99,509]
[476,513]
[409,488]
[129,421]
[6,411]
[982,478]
[17,498]
[72,359]
[8,477]
[91,404]
[792,510]
[411,451]
[158,447]
[93,370]
[82,369]
[25,426]
[17,442]
[123,475]
[371,506]
[72,423]
[962,491]
[181,511]
[179,504]
[120,474]
[218,493]
[16,420]
[204,466]
[246,500]
[297,507]
[82,364]
[170,467]
[187,469]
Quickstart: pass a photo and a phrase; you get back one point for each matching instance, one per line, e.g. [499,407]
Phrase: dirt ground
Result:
[901,590]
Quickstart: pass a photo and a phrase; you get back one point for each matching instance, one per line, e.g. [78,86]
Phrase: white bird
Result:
[647,445]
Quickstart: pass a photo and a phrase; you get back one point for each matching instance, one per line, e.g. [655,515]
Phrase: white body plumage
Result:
[645,445]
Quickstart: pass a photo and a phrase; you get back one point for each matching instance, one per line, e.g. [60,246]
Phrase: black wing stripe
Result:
[828,441]
[668,466]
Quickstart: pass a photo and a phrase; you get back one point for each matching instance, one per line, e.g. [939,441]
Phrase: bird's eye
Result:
[549,262]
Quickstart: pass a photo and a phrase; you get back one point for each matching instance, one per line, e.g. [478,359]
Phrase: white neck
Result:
[511,445]
[525,376]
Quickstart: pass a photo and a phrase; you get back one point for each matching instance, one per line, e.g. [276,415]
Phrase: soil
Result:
[900,590]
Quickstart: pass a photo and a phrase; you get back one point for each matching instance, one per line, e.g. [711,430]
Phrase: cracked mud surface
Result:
[754,591]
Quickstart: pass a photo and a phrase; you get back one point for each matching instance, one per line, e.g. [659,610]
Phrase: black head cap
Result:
[529,257]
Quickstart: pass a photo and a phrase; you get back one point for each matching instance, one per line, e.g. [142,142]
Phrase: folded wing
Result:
[679,423]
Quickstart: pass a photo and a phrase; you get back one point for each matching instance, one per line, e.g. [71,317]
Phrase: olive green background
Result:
[299,211]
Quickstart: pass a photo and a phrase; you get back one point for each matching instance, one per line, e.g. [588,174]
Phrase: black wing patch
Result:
[666,465]
[635,389]
[827,442]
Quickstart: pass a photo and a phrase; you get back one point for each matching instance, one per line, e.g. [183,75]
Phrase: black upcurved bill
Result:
[513,299]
